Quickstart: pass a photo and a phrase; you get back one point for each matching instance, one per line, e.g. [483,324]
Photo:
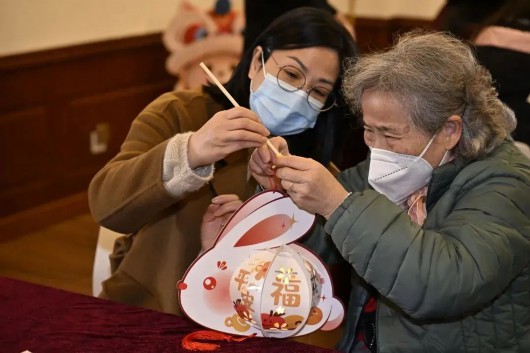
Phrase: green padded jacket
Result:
[460,282]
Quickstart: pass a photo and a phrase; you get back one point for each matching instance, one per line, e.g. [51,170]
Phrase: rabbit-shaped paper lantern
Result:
[255,280]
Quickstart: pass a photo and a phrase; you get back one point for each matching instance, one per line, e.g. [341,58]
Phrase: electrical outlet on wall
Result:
[99,138]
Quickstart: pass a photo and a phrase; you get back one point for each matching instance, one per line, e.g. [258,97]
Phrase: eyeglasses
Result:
[292,79]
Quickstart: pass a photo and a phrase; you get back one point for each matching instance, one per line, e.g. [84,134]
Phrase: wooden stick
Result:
[271,146]
[232,100]
[221,87]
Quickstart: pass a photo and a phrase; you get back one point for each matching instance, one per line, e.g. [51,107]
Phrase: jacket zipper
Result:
[376,326]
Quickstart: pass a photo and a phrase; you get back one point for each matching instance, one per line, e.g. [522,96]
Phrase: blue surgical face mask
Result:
[283,113]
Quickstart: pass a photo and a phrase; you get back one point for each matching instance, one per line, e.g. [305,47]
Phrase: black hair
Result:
[302,27]
[260,14]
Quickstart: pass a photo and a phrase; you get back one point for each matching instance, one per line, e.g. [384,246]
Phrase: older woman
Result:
[435,223]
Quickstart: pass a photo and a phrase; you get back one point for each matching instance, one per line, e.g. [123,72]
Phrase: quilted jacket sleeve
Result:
[318,240]
[475,241]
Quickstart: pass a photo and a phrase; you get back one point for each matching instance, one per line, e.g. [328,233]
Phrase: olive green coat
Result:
[460,282]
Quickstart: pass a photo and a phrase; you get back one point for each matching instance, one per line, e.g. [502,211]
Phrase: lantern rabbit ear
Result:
[223,286]
[247,208]
[269,219]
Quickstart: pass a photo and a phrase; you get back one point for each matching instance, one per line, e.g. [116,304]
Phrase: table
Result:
[42,319]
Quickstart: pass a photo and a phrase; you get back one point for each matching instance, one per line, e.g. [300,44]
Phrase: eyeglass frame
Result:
[280,68]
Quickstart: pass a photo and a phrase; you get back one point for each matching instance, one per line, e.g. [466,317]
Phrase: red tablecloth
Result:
[42,320]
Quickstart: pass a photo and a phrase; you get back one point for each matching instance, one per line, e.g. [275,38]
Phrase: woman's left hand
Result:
[216,216]
[262,161]
[311,186]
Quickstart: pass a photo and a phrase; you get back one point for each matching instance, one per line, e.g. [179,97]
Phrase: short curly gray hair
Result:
[435,75]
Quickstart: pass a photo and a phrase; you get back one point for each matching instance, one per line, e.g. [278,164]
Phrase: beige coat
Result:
[128,196]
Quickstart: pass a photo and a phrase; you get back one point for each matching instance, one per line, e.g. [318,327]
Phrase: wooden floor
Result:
[61,256]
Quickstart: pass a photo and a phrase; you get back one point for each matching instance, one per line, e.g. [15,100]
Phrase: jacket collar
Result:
[442,178]
[444,175]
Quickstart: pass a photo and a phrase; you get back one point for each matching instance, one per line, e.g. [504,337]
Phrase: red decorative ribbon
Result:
[190,340]
[274,180]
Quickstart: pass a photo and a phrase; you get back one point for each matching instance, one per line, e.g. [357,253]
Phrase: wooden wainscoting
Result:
[52,100]
[374,34]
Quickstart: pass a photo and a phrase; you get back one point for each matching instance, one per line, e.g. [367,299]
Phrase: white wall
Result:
[30,25]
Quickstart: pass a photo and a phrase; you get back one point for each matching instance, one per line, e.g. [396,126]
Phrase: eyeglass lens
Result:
[292,79]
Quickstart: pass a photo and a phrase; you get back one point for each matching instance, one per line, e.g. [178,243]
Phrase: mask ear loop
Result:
[443,161]
[448,155]
[445,158]
[263,66]
[426,148]
[263,63]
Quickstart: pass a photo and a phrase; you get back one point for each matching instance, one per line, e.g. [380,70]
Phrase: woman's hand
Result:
[226,132]
[216,216]
[311,186]
[263,160]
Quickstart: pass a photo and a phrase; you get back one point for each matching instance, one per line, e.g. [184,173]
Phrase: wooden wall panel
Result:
[51,102]
[378,34]
[85,114]
[26,131]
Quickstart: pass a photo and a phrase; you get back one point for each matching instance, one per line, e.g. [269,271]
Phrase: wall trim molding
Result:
[68,53]
[42,216]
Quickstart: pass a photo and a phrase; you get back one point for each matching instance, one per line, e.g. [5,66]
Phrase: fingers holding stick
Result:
[231,99]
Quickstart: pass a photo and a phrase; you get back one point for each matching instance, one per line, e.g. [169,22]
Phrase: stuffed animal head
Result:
[213,37]
[255,280]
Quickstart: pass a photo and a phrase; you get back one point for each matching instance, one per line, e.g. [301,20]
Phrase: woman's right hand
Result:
[226,132]
[262,162]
